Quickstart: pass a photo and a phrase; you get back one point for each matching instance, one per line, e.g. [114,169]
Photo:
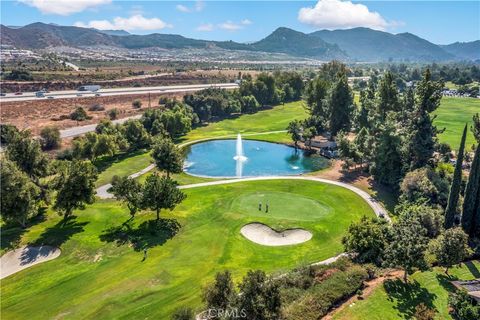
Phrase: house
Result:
[472,287]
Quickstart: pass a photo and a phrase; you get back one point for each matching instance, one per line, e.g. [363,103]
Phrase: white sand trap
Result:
[24,257]
[264,235]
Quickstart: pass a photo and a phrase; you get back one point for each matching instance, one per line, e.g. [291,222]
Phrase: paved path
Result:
[25,257]
[77,131]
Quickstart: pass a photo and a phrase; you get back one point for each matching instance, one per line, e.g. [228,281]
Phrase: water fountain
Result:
[239,157]
[239,154]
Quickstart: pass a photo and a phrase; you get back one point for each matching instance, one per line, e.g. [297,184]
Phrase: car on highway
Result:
[18,93]
[51,97]
[3,94]
[79,94]
[97,94]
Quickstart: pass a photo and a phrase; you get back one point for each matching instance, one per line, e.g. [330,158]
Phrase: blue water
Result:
[215,159]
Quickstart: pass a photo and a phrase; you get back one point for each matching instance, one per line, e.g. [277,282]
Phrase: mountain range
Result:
[357,44]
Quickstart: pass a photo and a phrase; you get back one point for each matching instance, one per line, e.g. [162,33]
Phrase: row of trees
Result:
[266,89]
[109,139]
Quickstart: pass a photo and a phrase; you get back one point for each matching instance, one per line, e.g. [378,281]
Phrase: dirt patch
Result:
[35,115]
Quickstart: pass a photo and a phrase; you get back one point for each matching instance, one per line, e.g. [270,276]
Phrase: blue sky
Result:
[437,21]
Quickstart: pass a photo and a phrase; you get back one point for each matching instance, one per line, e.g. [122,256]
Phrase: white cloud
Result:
[230,26]
[135,22]
[182,8]
[336,14]
[63,7]
[206,27]
[246,22]
[198,6]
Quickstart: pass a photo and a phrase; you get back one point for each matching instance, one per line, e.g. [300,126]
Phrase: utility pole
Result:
[149,100]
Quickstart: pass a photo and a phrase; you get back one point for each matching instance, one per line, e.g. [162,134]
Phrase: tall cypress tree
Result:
[456,184]
[471,202]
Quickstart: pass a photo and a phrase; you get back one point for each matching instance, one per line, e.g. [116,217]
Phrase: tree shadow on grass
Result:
[444,281]
[473,269]
[11,234]
[104,163]
[148,234]
[59,233]
[408,296]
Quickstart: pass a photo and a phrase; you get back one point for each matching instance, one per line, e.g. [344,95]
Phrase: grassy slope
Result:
[100,279]
[274,119]
[393,301]
[453,114]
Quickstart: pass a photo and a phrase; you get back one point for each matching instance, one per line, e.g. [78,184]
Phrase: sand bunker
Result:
[264,235]
[24,257]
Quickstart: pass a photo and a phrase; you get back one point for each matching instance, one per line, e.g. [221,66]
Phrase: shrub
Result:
[183,314]
[7,133]
[50,138]
[137,104]
[113,114]
[96,107]
[422,312]
[320,298]
[79,114]
[463,306]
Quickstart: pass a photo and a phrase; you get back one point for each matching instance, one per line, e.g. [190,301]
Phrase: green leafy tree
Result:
[366,238]
[387,166]
[136,135]
[105,146]
[19,196]
[167,156]
[387,99]
[161,193]
[259,297]
[340,101]
[129,191]
[250,104]
[452,206]
[27,154]
[424,184]
[8,133]
[316,102]
[308,134]
[471,203]
[476,127]
[50,138]
[221,293]
[79,114]
[406,246]
[430,217]
[295,130]
[75,185]
[451,248]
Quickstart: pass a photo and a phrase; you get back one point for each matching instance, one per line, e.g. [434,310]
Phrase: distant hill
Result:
[296,43]
[464,50]
[357,44]
[40,35]
[114,32]
[364,44]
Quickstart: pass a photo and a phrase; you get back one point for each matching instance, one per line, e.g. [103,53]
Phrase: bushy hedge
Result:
[312,292]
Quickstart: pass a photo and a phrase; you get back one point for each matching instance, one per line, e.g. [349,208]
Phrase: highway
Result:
[69,94]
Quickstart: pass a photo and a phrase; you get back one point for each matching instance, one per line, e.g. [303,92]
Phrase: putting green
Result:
[100,276]
[281,205]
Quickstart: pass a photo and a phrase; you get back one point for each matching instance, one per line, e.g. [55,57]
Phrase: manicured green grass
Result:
[394,300]
[124,166]
[98,276]
[273,119]
[452,115]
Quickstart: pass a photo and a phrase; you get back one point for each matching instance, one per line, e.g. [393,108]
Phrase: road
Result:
[68,94]
[78,131]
